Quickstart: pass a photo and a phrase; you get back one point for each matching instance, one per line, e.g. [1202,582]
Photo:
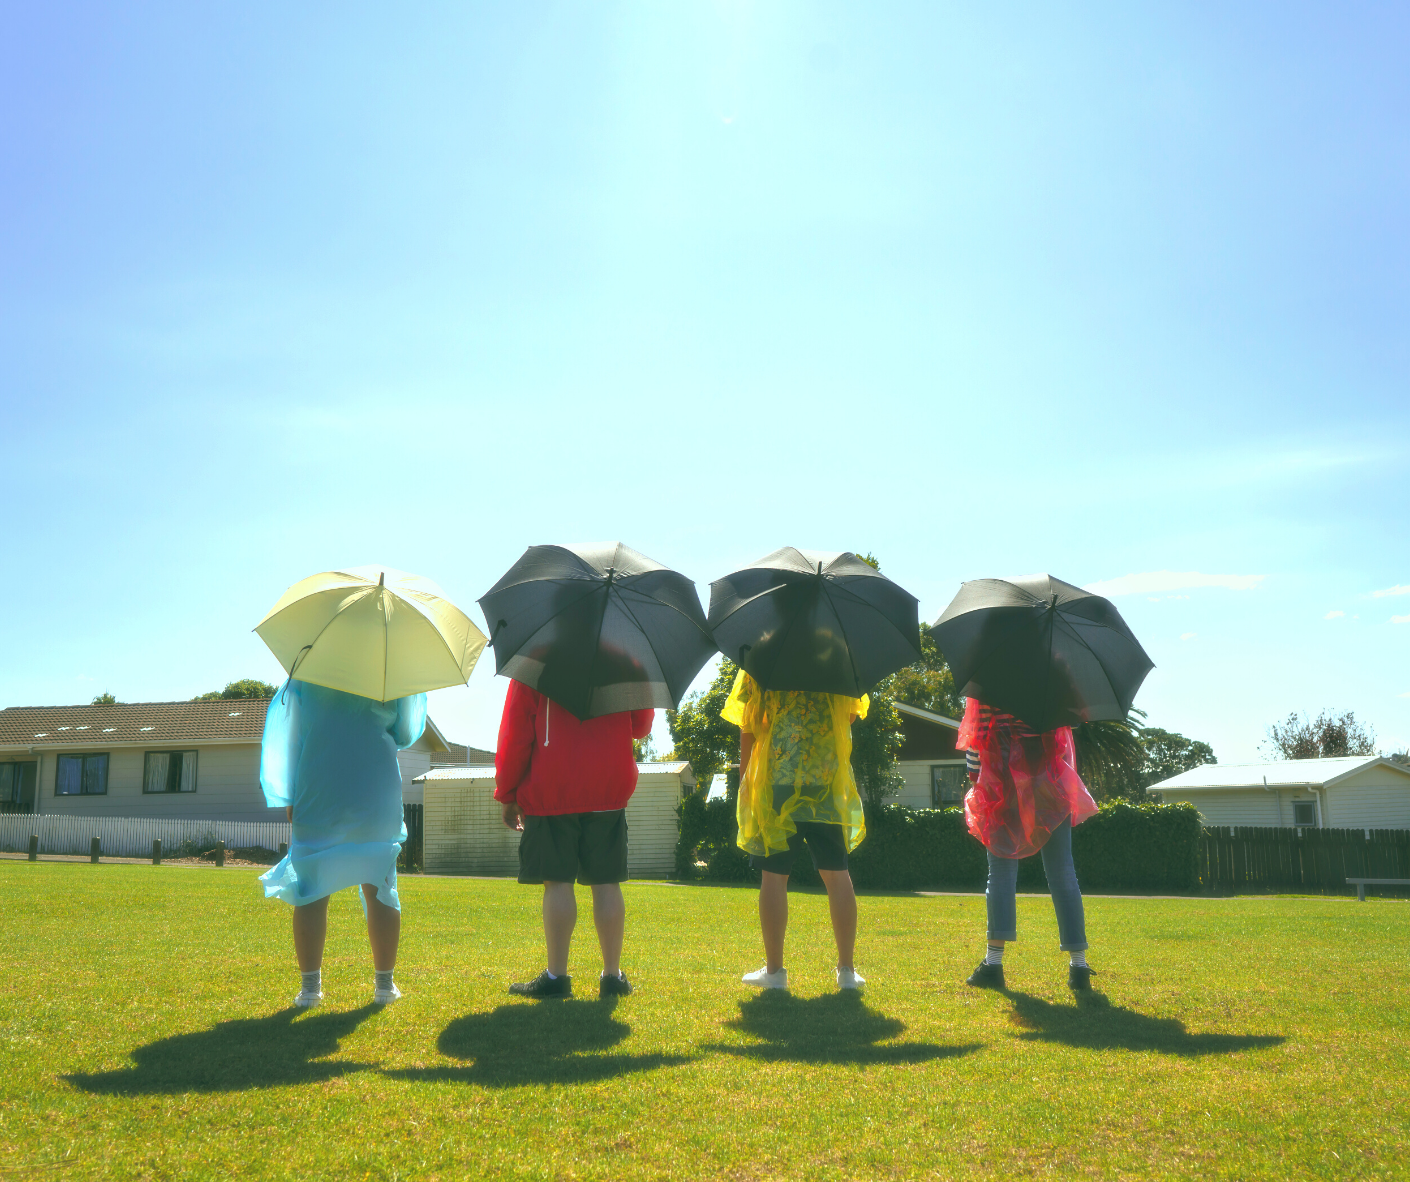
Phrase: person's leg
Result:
[383,929]
[609,916]
[310,934]
[1067,895]
[773,917]
[842,906]
[1002,912]
[560,917]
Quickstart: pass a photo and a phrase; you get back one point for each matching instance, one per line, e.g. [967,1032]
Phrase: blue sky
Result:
[1118,292]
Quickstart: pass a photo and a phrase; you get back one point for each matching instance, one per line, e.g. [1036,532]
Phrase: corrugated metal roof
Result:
[149,723]
[1285,773]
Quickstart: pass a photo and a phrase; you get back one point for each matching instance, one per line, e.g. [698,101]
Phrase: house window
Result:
[1305,813]
[17,787]
[169,771]
[81,775]
[948,784]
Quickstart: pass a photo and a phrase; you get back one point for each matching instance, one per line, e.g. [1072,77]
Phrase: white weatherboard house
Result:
[170,760]
[932,769]
[1356,792]
[464,831]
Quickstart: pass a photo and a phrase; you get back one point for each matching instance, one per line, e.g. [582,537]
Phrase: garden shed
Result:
[465,834]
[932,770]
[1354,792]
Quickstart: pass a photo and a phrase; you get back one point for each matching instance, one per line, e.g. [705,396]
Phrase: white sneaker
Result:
[850,979]
[382,997]
[767,980]
[306,1001]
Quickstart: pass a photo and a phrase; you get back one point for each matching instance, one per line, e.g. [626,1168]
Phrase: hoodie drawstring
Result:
[547,717]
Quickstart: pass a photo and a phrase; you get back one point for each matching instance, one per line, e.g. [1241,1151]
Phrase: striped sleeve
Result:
[971,763]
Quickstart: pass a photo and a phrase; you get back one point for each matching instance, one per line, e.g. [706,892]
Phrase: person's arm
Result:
[642,721]
[746,749]
[514,750]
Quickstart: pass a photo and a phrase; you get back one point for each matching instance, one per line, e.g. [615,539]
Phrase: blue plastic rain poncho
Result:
[333,757]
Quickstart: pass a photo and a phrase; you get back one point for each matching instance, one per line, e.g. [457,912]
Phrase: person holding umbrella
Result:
[811,632]
[361,646]
[1035,656]
[594,638]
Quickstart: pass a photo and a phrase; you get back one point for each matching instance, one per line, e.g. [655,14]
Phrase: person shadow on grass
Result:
[235,1056]
[834,1028]
[1098,1025]
[562,1042]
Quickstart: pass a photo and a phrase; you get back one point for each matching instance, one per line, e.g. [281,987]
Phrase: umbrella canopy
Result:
[597,628]
[804,620]
[372,631]
[1042,650]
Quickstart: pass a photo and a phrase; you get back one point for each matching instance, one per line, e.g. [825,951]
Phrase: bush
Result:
[1124,847]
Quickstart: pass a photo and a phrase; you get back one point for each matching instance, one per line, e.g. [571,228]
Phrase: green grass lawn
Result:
[146,1034]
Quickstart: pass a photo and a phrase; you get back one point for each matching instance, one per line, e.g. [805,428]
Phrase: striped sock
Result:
[1079,960]
[995,955]
[313,982]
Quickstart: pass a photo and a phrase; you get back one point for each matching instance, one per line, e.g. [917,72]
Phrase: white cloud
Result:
[1166,580]
[1406,694]
[1398,589]
[1187,635]
[1400,619]
[1333,615]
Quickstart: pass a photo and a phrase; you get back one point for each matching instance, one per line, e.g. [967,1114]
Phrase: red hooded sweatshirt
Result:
[550,762]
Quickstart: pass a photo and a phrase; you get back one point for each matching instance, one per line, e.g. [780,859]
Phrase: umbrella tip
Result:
[381,578]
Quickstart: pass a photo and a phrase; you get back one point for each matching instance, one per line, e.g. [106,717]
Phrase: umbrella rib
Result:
[361,593]
[545,621]
[887,619]
[1111,685]
[660,664]
[851,660]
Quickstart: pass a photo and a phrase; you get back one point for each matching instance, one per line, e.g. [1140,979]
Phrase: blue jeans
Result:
[1062,880]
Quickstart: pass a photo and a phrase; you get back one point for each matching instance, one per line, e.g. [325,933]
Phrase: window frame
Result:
[83,757]
[1311,807]
[936,800]
[195,754]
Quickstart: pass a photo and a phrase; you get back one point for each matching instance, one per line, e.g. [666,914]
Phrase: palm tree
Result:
[1111,756]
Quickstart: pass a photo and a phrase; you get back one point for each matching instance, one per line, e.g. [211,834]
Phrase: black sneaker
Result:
[987,976]
[544,986]
[1079,977]
[618,986]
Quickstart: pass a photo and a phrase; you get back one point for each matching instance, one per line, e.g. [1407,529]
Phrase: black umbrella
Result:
[1042,650]
[597,629]
[800,620]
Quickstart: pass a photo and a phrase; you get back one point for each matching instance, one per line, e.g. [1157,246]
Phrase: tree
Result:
[644,750]
[1110,755]
[248,687]
[1168,754]
[700,736]
[876,741]
[1324,737]
[105,699]
[928,683]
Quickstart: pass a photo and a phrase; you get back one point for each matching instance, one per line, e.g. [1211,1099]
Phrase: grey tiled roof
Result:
[133,722]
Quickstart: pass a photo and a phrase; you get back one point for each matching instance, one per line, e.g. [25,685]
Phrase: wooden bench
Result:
[1362,883]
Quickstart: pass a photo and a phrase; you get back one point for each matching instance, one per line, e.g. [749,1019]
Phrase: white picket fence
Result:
[132,837]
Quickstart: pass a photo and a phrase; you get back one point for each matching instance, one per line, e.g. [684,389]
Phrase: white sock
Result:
[551,976]
[1079,960]
[383,978]
[995,955]
[313,982]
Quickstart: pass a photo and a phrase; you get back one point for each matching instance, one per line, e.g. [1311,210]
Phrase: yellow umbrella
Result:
[372,631]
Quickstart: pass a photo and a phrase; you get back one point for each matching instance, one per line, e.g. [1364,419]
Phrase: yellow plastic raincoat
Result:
[800,768]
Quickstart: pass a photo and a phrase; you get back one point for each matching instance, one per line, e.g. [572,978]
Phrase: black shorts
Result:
[825,843]
[590,848]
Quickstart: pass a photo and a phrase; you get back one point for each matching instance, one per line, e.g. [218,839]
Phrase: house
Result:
[1355,792]
[152,759]
[932,769]
[464,831]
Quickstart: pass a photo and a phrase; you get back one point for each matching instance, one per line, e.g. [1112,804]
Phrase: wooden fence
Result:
[1245,859]
[132,837]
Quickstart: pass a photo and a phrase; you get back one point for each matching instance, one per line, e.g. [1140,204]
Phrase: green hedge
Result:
[1124,847]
